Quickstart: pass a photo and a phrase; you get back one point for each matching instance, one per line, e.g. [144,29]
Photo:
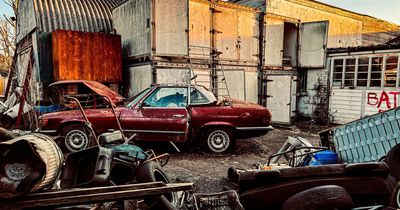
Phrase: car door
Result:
[162,116]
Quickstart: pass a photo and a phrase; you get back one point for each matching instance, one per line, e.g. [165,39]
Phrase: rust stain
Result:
[86,56]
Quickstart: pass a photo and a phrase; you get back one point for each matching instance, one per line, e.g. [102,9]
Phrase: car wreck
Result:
[175,113]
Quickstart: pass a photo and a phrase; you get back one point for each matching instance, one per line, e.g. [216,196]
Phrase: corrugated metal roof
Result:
[77,15]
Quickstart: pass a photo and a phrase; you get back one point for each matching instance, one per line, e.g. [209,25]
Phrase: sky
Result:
[5,9]
[384,9]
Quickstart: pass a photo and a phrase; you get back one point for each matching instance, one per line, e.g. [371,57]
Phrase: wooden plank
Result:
[94,197]
[70,192]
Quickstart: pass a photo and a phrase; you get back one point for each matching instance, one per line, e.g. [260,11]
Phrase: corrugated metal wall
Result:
[77,15]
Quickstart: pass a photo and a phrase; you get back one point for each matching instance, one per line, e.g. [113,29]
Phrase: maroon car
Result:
[167,113]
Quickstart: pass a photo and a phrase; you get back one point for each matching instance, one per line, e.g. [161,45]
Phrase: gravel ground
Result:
[208,173]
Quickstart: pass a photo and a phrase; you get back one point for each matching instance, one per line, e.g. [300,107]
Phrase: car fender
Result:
[214,124]
[70,122]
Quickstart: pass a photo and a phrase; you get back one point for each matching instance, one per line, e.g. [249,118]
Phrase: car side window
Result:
[167,97]
[196,97]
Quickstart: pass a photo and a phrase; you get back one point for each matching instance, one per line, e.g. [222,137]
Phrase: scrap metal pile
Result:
[357,165]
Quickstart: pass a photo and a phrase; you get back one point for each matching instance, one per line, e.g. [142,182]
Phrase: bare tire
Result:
[76,138]
[218,141]
[393,161]
[324,197]
[153,172]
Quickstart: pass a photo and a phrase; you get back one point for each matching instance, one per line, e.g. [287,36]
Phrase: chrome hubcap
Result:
[218,141]
[76,140]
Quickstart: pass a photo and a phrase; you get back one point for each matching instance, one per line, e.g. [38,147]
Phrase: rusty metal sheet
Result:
[87,56]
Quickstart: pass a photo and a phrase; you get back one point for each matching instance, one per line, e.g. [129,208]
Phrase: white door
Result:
[171,26]
[274,34]
[279,102]
[313,42]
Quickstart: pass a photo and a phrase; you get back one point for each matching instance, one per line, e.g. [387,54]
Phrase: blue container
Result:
[324,158]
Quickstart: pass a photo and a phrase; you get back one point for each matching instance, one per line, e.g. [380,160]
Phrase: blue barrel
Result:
[324,157]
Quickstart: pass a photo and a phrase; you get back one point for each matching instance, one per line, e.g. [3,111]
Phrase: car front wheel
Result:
[76,138]
[218,141]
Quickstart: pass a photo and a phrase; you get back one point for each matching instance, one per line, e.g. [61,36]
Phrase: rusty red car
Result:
[176,113]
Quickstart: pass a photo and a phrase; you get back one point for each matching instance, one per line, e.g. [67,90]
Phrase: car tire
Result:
[75,138]
[218,141]
[153,172]
[324,197]
[393,161]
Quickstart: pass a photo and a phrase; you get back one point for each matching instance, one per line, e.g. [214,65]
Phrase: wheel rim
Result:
[218,141]
[76,140]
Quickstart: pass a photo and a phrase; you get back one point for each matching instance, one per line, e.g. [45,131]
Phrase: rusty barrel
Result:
[28,163]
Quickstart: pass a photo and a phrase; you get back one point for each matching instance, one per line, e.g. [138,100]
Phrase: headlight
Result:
[42,122]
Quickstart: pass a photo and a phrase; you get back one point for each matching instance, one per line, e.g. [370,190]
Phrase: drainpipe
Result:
[262,92]
[213,52]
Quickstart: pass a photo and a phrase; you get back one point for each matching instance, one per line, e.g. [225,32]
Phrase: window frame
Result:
[344,59]
[196,104]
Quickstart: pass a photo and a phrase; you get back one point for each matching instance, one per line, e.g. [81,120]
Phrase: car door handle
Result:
[179,116]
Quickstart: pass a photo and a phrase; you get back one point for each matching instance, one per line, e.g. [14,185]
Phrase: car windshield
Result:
[208,94]
[135,99]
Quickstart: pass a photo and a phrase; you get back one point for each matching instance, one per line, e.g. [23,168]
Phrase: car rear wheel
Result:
[76,138]
[218,141]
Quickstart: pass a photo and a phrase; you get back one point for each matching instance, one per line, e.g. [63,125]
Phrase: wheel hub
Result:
[76,140]
[218,141]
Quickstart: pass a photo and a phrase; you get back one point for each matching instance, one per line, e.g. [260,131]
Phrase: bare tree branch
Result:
[7,36]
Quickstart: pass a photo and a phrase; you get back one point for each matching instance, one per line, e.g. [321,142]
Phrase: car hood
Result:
[96,87]
[115,97]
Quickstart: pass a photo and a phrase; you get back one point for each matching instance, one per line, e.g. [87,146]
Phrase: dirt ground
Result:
[208,173]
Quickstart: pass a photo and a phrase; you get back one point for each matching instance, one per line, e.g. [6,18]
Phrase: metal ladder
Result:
[207,56]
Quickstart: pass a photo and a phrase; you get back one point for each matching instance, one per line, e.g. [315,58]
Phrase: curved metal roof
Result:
[77,15]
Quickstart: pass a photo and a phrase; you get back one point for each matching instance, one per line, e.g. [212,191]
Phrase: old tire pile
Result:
[324,197]
[153,172]
[27,164]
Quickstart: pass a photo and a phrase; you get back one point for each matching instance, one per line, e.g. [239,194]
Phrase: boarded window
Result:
[376,72]
[350,72]
[337,72]
[362,76]
[390,75]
